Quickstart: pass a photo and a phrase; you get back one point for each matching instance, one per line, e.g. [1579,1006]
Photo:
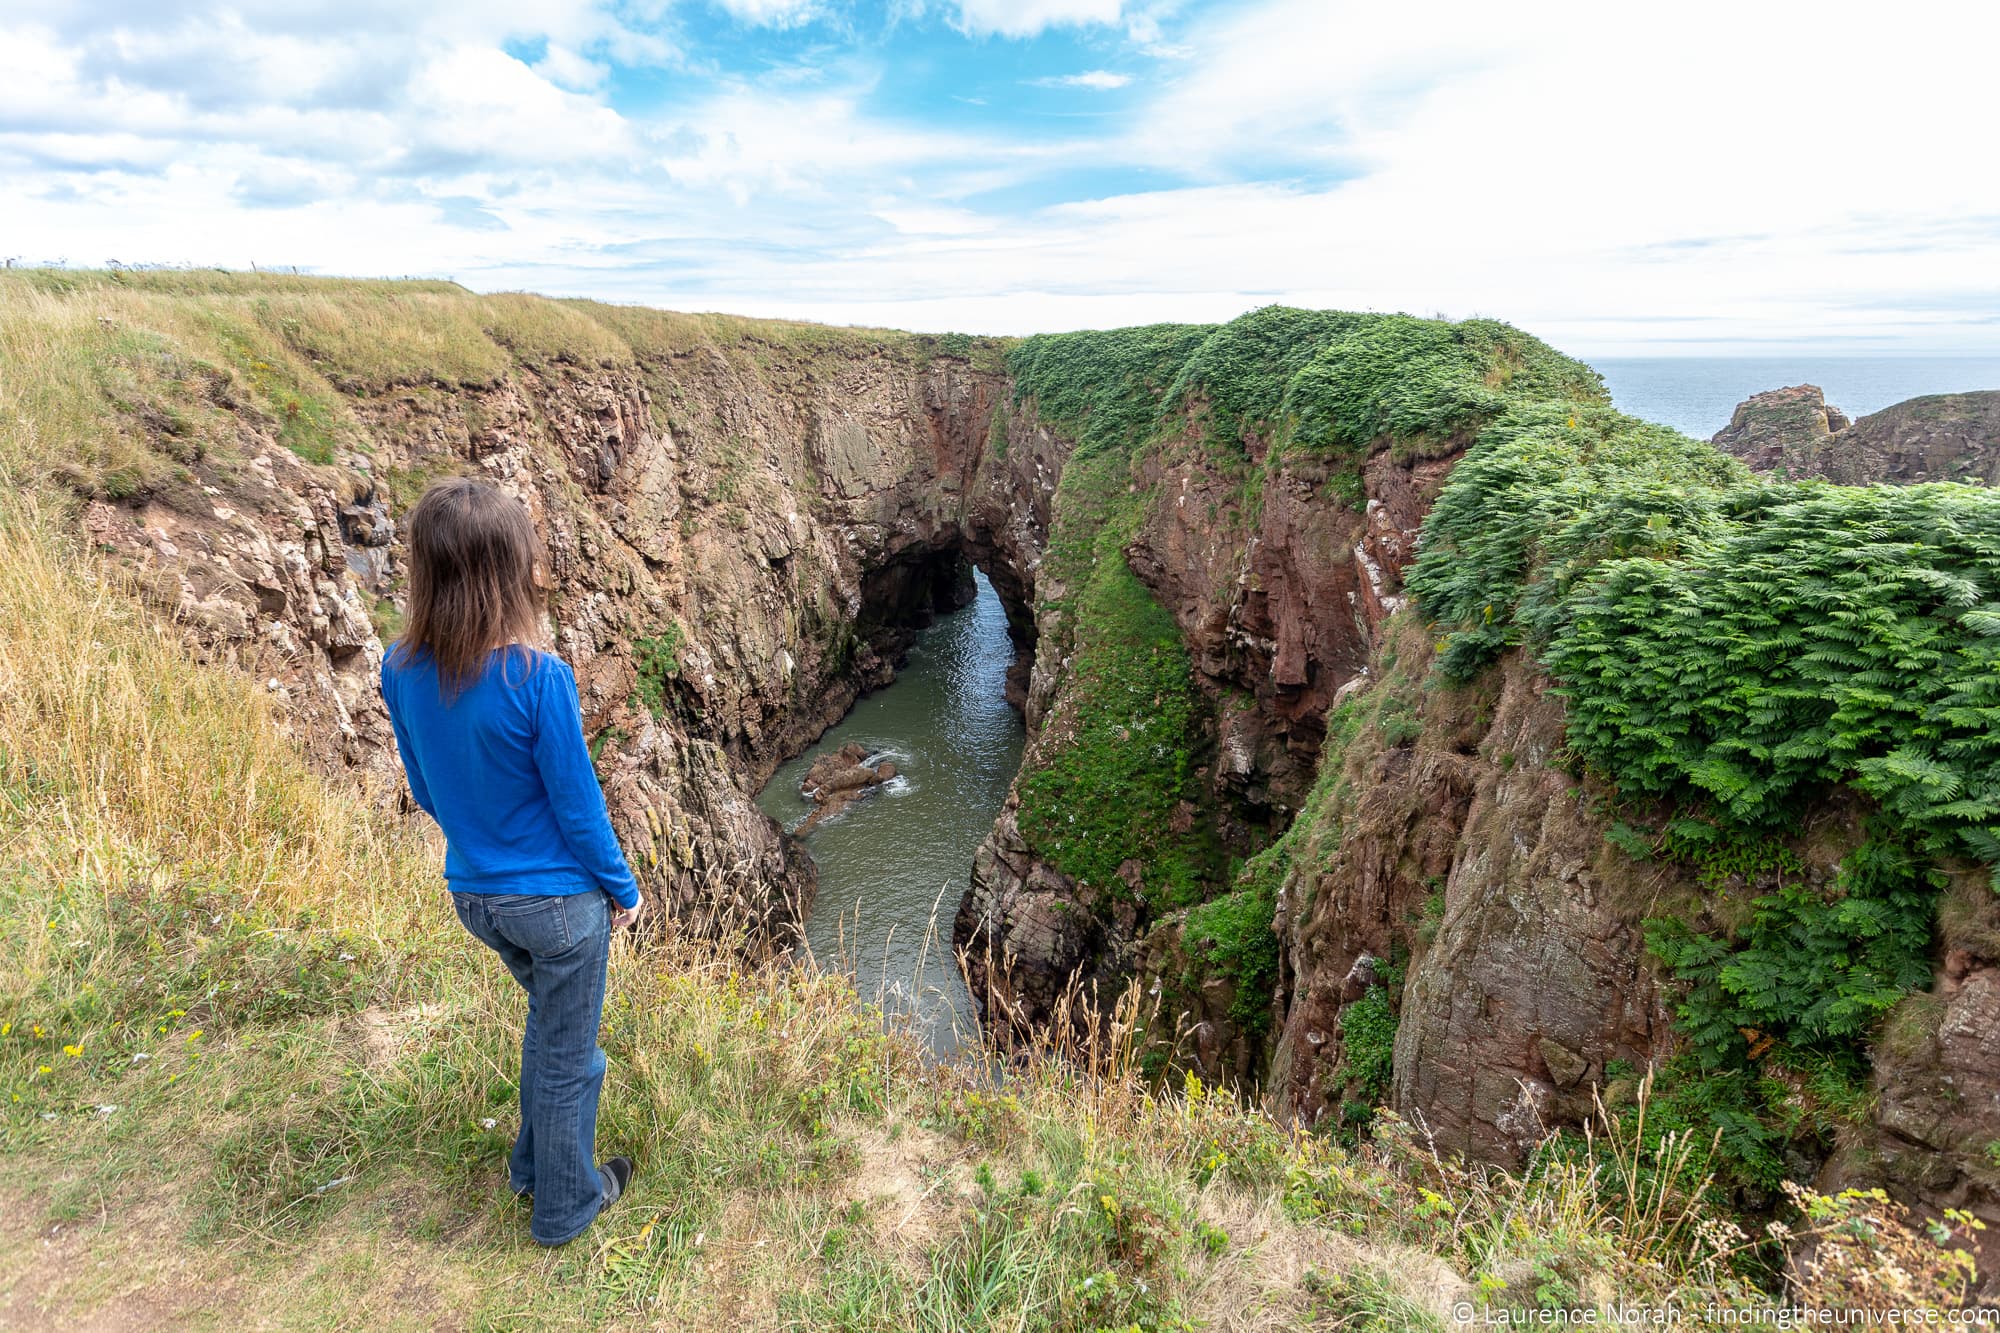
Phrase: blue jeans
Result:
[558,949]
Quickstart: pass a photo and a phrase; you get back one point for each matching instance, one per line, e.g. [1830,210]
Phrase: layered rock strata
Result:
[739,539]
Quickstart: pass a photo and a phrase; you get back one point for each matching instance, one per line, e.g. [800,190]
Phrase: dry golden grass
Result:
[362,340]
[128,754]
[115,383]
[540,332]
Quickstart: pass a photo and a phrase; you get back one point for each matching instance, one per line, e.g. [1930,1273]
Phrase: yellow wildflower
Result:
[73,1050]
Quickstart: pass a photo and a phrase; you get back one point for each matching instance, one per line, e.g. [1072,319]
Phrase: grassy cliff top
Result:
[110,378]
[1326,380]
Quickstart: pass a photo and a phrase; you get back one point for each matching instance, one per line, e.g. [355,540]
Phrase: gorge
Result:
[1414,729]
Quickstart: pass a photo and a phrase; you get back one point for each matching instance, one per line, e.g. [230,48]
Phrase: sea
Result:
[1696,394]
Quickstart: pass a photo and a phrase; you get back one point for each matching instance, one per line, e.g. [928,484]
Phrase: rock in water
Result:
[836,778]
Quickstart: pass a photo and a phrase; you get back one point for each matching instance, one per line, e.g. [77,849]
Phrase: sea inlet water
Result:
[894,864]
[1696,394]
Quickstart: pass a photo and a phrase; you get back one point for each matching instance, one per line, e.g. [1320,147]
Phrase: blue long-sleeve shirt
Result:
[504,770]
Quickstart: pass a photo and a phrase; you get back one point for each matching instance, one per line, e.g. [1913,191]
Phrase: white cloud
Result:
[757,141]
[917,218]
[566,69]
[1099,80]
[1605,180]
[1027,18]
[772,13]
[483,104]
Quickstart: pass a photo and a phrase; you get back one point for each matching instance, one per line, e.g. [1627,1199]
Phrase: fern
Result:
[1812,971]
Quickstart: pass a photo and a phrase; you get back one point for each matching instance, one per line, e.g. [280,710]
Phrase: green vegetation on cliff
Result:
[1103,389]
[1742,648]
[1232,936]
[1733,644]
[1330,380]
[1732,651]
[249,1077]
[1112,784]
[1119,782]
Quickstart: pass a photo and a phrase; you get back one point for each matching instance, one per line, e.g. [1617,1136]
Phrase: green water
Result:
[894,864]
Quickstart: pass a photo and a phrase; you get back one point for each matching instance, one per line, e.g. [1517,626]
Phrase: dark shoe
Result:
[618,1171]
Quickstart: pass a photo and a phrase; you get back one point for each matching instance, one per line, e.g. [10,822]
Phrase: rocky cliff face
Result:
[1768,426]
[1459,871]
[1459,867]
[1940,437]
[1279,604]
[741,536]
[1462,917]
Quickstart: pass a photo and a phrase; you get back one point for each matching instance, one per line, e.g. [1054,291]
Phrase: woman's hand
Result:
[627,916]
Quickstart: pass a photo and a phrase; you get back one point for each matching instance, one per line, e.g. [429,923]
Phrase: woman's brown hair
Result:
[473,552]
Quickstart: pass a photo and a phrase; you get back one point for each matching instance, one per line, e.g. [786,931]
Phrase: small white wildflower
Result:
[488,1123]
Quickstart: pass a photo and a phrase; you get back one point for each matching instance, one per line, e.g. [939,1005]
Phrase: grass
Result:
[366,341]
[116,383]
[540,332]
[240,1042]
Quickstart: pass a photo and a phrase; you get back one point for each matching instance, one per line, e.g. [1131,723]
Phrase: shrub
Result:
[1368,1039]
[1232,936]
[1812,971]
[1102,389]
[657,660]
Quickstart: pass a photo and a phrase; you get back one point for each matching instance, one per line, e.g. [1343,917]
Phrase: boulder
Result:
[837,778]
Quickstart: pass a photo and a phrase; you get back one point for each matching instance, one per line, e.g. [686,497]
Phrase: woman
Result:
[492,741]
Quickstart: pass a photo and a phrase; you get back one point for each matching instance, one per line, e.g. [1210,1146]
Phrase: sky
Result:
[1620,179]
